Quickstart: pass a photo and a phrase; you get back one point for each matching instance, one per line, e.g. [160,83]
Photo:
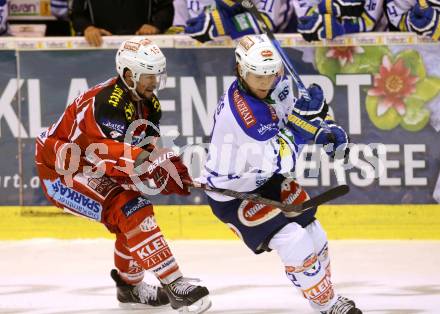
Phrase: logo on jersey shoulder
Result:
[284,93]
[116,96]
[129,111]
[243,109]
[252,214]
[267,127]
[114,125]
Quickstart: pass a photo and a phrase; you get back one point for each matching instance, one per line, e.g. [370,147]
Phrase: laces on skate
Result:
[187,298]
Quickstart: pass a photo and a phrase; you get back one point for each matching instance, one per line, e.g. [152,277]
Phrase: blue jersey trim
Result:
[254,116]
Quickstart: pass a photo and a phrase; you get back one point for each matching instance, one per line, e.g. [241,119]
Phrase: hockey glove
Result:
[167,171]
[319,26]
[424,21]
[218,22]
[342,8]
[333,139]
[315,107]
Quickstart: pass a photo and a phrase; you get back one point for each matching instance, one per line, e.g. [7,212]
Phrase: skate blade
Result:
[201,306]
[138,306]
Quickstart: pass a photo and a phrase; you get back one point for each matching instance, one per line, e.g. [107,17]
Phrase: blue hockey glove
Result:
[219,22]
[319,26]
[342,8]
[333,138]
[315,107]
[424,21]
[327,133]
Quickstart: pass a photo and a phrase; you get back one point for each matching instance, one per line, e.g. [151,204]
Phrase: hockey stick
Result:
[322,198]
[252,9]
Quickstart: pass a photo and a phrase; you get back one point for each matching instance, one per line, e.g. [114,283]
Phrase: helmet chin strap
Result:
[133,89]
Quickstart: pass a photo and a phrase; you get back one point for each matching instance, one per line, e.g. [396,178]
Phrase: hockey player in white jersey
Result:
[258,128]
[327,19]
[419,16]
[206,19]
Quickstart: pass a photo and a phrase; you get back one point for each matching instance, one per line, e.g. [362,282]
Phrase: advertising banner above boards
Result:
[384,89]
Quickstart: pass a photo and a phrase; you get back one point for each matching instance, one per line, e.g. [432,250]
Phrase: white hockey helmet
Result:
[141,56]
[256,54]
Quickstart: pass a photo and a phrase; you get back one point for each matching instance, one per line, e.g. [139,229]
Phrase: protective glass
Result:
[260,82]
[156,81]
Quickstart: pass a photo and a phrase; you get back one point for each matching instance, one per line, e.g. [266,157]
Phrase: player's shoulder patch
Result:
[116,94]
[255,117]
[112,95]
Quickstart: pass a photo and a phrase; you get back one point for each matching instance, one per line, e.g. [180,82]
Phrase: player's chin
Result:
[261,93]
[148,93]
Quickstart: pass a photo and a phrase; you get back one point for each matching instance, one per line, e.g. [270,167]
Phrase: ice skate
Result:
[343,306]
[186,297]
[140,295]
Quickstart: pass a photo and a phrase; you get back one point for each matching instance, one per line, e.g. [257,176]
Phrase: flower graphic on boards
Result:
[344,55]
[401,89]
[392,85]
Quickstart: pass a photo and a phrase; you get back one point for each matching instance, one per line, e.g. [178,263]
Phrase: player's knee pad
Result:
[296,249]
[293,244]
[320,242]
[129,269]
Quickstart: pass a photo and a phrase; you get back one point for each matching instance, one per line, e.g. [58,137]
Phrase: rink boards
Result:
[197,222]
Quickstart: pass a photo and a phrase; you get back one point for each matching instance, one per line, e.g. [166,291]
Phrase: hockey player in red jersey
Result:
[105,142]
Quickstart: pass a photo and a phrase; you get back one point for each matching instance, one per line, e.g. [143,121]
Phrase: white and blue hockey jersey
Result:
[398,10]
[249,141]
[280,11]
[370,20]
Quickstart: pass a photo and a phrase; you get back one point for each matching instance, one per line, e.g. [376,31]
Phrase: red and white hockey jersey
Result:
[95,130]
